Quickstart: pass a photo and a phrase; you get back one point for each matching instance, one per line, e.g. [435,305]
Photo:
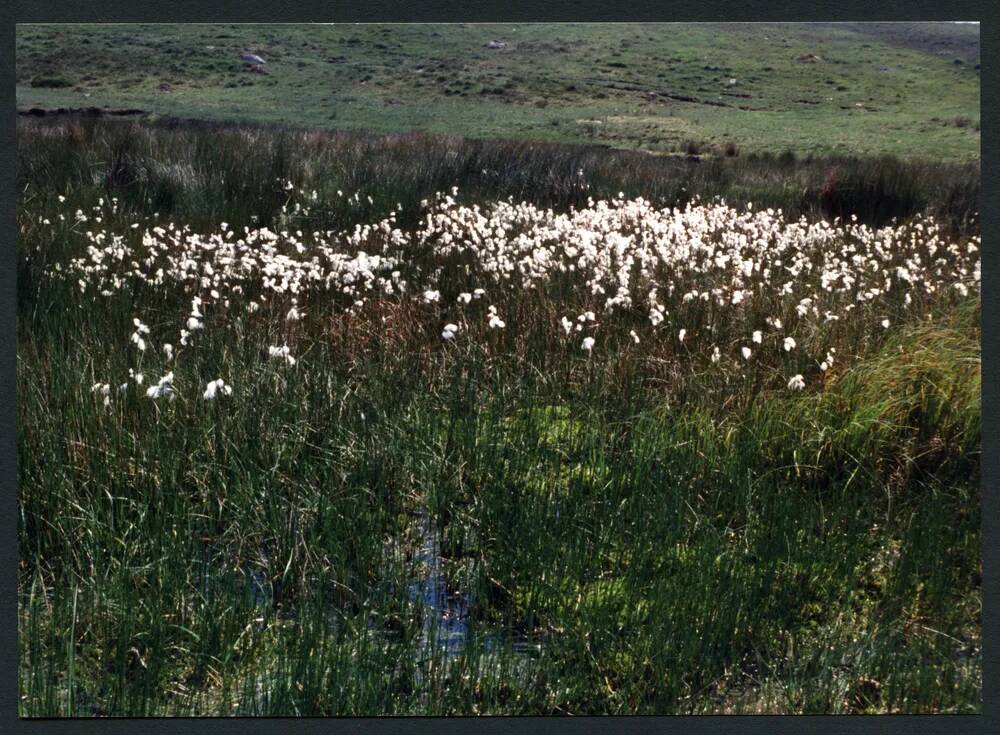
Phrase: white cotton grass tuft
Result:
[281,353]
[828,360]
[450,330]
[431,296]
[215,388]
[758,336]
[168,350]
[746,353]
[885,324]
[495,321]
[588,344]
[796,382]
[193,324]
[634,336]
[681,334]
[137,340]
[789,344]
[716,355]
[163,388]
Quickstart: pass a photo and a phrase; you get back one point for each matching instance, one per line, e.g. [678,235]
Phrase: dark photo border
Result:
[427,11]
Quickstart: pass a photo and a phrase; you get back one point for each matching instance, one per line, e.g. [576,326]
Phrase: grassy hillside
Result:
[906,89]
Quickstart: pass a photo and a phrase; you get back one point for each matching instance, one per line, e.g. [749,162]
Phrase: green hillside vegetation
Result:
[910,90]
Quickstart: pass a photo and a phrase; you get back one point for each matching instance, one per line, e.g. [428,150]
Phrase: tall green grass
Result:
[625,540]
[209,172]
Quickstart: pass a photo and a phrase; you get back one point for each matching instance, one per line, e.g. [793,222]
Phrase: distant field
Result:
[911,90]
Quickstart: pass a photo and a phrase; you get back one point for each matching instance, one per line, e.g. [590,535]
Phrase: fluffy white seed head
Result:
[215,388]
[163,388]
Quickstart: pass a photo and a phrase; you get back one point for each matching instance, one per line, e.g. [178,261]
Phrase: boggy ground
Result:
[477,455]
